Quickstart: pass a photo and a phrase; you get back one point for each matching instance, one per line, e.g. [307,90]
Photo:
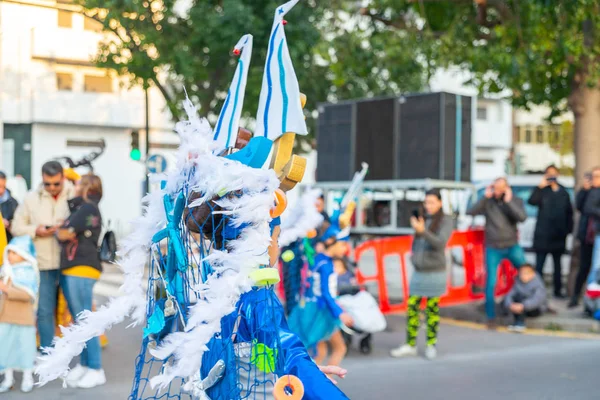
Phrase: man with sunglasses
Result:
[43,210]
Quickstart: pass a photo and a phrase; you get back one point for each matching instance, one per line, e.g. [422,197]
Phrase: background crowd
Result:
[52,252]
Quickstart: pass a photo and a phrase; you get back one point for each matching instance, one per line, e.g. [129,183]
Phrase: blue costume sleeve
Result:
[325,269]
[297,362]
[265,308]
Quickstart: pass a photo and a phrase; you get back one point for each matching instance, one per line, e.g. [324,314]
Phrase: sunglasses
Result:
[48,184]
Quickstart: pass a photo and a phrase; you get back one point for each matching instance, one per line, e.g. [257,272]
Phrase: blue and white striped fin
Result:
[226,130]
[279,107]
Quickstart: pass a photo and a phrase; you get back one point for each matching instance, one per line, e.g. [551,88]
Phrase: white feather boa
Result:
[301,219]
[219,294]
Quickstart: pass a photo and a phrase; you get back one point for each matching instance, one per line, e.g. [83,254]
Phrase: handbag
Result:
[108,246]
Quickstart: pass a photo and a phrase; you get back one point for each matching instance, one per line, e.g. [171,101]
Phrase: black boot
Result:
[365,345]
[573,303]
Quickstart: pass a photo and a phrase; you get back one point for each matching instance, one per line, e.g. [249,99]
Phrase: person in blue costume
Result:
[249,343]
[318,319]
[299,253]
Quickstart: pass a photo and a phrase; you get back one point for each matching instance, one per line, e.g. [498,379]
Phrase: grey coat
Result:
[531,294]
[429,249]
[501,219]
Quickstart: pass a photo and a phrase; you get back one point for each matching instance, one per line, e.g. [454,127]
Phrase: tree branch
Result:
[168,98]
[398,23]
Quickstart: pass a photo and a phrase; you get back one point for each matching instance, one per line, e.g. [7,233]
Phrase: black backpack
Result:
[108,246]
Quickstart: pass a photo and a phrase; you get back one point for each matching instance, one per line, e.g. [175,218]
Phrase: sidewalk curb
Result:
[394,326]
[532,332]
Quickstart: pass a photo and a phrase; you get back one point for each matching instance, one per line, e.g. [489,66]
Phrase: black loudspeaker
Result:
[375,137]
[410,137]
[334,143]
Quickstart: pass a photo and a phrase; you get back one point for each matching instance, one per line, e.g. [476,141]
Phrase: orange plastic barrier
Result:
[472,244]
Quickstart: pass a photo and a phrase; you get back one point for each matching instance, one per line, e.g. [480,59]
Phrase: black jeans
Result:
[520,318]
[585,264]
[540,259]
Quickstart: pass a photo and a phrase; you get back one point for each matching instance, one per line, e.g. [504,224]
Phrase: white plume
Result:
[201,171]
[301,219]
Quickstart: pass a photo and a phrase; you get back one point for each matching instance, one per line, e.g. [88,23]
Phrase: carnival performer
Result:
[214,328]
[319,318]
[299,226]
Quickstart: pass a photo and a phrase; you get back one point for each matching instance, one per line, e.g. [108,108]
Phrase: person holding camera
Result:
[554,224]
[429,280]
[503,211]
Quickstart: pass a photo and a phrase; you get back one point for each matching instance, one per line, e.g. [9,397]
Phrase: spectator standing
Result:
[429,279]
[554,224]
[40,214]
[81,268]
[8,205]
[502,213]
[588,203]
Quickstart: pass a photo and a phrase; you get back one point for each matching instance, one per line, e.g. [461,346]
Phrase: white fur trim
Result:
[220,293]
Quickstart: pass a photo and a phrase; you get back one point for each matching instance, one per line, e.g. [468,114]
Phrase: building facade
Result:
[538,142]
[54,102]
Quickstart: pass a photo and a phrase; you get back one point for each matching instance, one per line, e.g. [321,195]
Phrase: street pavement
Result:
[472,364]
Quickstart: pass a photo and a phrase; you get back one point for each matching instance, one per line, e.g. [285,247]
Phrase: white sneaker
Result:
[27,383]
[75,375]
[517,328]
[430,352]
[7,385]
[404,351]
[92,378]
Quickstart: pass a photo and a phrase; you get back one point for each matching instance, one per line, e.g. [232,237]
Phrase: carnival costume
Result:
[213,327]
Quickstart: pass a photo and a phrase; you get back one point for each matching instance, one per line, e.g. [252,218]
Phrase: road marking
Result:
[532,332]
[107,290]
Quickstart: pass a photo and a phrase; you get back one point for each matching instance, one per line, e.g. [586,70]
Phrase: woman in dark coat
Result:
[554,224]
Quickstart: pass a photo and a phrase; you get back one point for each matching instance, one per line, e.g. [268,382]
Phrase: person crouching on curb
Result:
[527,298]
[429,279]
[19,286]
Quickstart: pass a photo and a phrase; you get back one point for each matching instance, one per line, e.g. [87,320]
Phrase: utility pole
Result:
[147,140]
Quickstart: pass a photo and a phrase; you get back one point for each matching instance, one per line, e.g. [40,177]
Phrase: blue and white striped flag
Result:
[229,119]
[279,108]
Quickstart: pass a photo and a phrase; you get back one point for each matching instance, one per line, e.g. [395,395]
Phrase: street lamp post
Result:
[147,139]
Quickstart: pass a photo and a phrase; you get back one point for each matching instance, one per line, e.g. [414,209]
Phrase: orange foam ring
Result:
[293,384]
[280,203]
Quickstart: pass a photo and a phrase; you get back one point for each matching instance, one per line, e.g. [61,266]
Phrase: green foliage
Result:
[563,144]
[153,44]
[537,50]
